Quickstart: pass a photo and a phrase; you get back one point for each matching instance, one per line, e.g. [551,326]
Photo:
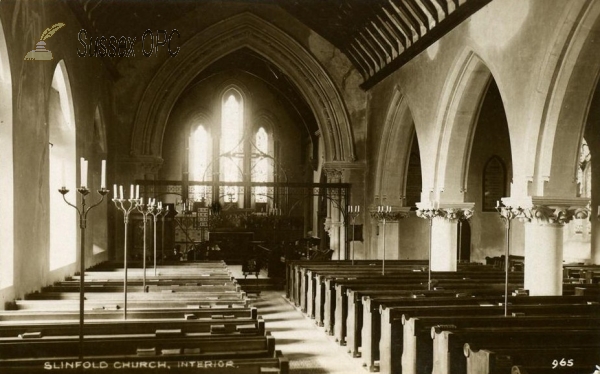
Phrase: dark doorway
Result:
[464,241]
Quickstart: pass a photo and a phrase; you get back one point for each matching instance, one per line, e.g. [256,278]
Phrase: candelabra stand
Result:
[156,212]
[145,210]
[83,192]
[429,214]
[353,212]
[122,205]
[507,214]
[384,214]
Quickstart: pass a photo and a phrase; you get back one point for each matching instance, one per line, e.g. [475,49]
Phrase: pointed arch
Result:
[243,30]
[394,151]
[574,78]
[460,105]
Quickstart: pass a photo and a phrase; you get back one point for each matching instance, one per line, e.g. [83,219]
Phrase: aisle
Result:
[309,349]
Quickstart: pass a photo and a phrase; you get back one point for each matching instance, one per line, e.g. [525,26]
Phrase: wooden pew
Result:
[400,280]
[7,317]
[448,344]
[208,294]
[354,321]
[324,306]
[417,351]
[57,328]
[391,330]
[118,304]
[209,344]
[536,359]
[342,303]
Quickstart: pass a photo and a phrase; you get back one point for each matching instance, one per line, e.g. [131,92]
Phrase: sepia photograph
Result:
[300,186]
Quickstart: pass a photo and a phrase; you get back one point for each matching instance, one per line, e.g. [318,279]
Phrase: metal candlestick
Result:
[384,214]
[507,214]
[121,204]
[353,212]
[156,212]
[145,210]
[83,192]
[429,214]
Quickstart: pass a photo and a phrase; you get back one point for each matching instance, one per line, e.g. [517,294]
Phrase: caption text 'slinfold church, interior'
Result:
[300,186]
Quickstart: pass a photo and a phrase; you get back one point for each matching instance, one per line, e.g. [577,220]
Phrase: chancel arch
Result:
[243,31]
[6,169]
[62,169]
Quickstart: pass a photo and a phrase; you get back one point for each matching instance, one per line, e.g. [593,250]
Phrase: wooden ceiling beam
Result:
[431,9]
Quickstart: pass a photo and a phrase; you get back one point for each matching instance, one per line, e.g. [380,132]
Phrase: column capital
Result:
[548,210]
[452,212]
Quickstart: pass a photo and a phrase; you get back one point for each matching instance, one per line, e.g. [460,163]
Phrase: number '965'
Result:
[562,363]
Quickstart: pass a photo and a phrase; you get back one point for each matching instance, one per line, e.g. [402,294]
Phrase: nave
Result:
[333,317]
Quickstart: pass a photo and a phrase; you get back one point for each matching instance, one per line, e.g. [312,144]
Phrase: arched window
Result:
[200,154]
[494,183]
[232,148]
[261,164]
[62,163]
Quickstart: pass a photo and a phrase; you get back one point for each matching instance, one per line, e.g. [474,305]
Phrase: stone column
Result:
[444,232]
[544,221]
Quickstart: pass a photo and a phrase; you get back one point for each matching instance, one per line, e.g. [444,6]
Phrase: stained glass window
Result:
[232,150]
[261,164]
[200,151]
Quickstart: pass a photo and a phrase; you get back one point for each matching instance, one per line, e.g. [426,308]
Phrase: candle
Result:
[103,175]
[83,176]
[121,192]
[357,208]
[131,192]
[115,191]
[137,191]
[497,204]
[142,201]
[350,209]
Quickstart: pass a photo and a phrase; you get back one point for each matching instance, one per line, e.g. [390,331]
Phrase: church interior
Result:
[300,186]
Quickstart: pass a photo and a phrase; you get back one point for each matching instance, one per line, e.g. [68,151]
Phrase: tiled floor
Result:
[309,349]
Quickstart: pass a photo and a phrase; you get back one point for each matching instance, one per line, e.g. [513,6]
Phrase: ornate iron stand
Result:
[83,192]
[507,214]
[121,204]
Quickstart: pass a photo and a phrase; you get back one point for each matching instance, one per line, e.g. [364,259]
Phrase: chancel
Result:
[286,186]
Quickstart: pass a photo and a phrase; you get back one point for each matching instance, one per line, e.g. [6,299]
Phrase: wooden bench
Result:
[391,330]
[342,303]
[448,344]
[354,321]
[56,328]
[536,359]
[417,351]
[7,317]
[170,294]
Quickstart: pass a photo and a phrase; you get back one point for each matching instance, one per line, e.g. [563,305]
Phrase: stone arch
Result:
[574,78]
[250,31]
[460,105]
[394,150]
